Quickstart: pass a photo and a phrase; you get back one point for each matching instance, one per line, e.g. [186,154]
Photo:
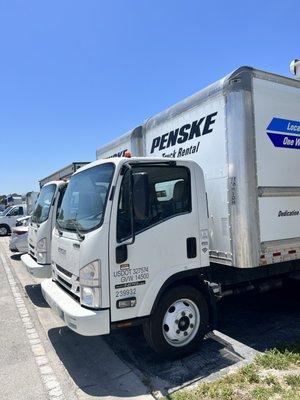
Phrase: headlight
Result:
[42,245]
[41,257]
[90,284]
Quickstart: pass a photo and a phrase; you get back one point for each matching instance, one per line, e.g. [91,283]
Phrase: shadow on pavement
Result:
[92,365]
[262,321]
[34,292]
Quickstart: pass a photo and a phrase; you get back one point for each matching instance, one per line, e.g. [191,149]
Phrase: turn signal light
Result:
[126,303]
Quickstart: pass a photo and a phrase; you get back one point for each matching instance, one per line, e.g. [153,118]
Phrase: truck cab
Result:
[37,260]
[128,246]
[9,217]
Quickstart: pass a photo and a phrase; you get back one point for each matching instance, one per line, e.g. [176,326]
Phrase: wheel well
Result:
[197,281]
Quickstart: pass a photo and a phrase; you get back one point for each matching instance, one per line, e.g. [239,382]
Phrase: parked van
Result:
[9,217]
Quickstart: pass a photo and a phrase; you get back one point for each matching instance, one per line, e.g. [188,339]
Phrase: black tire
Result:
[153,328]
[4,230]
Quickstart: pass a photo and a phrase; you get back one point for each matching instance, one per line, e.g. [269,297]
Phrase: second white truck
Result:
[38,258]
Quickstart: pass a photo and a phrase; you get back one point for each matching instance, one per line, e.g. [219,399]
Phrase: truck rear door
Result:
[277,131]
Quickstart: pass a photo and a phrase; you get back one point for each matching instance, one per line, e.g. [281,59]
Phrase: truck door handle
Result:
[191,247]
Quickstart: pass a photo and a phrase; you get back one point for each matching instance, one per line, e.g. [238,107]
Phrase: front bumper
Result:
[81,320]
[35,269]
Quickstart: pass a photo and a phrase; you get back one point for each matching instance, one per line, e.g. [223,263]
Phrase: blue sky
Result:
[76,74]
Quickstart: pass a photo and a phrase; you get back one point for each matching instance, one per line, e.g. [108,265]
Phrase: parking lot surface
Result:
[121,365]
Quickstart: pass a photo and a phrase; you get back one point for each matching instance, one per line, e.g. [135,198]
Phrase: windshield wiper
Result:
[77,226]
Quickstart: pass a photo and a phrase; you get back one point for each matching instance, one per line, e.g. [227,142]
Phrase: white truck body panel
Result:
[277,128]
[63,173]
[130,141]
[275,107]
[243,168]
[159,142]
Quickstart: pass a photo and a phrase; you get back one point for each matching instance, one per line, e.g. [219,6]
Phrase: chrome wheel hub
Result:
[181,322]
[3,231]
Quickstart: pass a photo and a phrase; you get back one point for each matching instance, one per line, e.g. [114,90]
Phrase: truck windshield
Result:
[83,205]
[43,204]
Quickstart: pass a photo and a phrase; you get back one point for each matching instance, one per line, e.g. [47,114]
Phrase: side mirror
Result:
[140,195]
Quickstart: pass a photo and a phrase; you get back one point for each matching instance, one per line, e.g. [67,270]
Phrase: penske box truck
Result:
[38,259]
[209,205]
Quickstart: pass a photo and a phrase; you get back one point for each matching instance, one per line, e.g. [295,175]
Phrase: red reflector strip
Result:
[292,251]
[277,254]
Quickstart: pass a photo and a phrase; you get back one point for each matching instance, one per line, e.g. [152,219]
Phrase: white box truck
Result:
[38,259]
[131,141]
[210,207]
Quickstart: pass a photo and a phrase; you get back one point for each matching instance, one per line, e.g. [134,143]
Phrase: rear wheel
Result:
[4,230]
[179,322]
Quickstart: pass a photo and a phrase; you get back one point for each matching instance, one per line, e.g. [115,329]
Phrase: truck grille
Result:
[63,282]
[68,281]
[64,271]
[31,251]
[33,256]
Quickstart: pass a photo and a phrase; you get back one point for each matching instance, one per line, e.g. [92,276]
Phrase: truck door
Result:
[166,241]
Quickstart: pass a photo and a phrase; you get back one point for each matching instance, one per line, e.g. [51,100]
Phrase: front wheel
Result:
[179,322]
[4,230]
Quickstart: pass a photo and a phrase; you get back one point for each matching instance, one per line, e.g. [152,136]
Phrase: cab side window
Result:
[169,196]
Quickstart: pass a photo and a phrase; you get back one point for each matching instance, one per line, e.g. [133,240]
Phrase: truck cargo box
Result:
[244,131]
[63,173]
[130,141]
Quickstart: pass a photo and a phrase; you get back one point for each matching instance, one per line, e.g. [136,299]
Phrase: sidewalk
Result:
[19,377]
